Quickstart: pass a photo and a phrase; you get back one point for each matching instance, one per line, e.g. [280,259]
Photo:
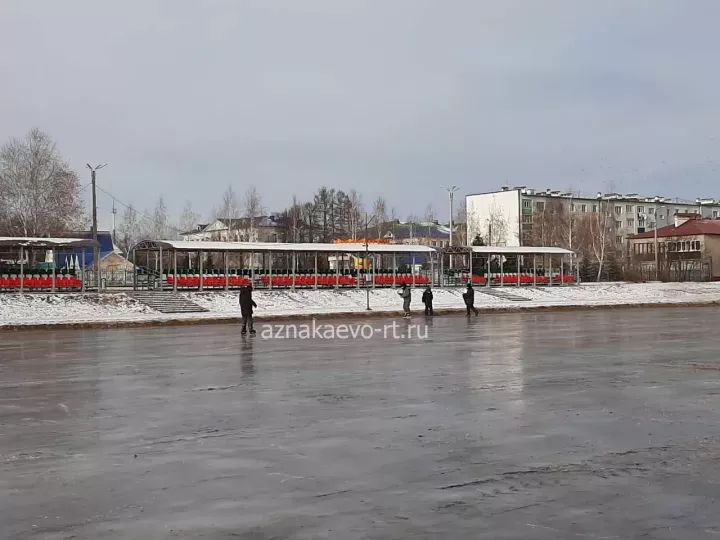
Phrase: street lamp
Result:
[367,257]
[451,194]
[96,251]
[655,236]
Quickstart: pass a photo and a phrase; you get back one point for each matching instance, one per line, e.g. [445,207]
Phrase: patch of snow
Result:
[60,307]
[29,309]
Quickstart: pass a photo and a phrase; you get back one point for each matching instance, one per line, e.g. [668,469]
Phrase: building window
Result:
[527,203]
[583,207]
[539,206]
[618,224]
[651,211]
[619,239]
[641,222]
[695,245]
[618,209]
[630,223]
[672,246]
[628,208]
[715,214]
[641,209]
[594,207]
[572,207]
[527,219]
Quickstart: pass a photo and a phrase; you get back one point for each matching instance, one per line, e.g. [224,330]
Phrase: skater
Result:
[427,299]
[469,297]
[246,309]
[405,294]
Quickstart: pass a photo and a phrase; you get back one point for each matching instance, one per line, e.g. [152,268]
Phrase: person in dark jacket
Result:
[427,299]
[405,294]
[469,297]
[246,309]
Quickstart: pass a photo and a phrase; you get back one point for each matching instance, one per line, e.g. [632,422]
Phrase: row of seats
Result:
[524,279]
[309,281]
[210,282]
[302,280]
[39,283]
[400,279]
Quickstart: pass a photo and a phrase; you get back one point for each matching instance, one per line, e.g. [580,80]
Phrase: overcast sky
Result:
[390,97]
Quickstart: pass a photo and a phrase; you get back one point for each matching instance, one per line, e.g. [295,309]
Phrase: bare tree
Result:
[551,225]
[596,235]
[323,203]
[460,235]
[497,227]
[429,219]
[160,226]
[228,213]
[252,209]
[355,213]
[293,217]
[39,193]
[309,216]
[129,230]
[188,219]
[380,214]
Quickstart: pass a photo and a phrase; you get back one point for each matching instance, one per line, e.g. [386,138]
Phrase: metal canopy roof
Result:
[258,247]
[48,243]
[522,250]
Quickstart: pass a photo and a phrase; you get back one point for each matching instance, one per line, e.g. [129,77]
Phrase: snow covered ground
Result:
[47,309]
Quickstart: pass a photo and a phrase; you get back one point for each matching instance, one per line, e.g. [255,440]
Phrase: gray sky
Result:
[392,97]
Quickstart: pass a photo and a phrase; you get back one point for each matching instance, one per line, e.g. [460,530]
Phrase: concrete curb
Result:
[234,319]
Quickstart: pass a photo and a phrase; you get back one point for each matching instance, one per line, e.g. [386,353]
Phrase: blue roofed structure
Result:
[65,257]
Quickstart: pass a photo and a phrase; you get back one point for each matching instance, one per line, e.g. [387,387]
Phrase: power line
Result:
[133,209]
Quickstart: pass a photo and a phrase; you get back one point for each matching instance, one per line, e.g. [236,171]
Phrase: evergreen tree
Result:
[614,271]
[587,270]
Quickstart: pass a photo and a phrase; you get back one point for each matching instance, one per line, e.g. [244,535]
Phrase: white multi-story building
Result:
[505,217]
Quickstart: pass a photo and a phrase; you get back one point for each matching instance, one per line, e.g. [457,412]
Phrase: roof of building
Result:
[258,247]
[692,227]
[521,250]
[630,197]
[405,231]
[12,241]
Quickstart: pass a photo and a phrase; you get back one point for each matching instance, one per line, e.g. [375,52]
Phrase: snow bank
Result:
[59,307]
[44,309]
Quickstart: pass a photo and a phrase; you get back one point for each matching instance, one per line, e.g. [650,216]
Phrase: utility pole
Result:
[367,260]
[96,251]
[114,212]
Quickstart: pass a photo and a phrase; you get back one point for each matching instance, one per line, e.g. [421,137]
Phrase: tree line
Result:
[40,195]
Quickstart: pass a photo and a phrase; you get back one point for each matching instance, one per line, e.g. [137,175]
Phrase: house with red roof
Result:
[686,250]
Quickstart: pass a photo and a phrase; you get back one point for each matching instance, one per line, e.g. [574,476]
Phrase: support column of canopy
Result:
[175,274]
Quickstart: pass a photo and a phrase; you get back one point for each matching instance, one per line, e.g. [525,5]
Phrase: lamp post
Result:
[96,251]
[451,194]
[367,257]
[655,237]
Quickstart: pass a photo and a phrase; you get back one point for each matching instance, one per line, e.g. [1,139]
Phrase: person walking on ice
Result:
[427,299]
[405,294]
[246,309]
[469,297]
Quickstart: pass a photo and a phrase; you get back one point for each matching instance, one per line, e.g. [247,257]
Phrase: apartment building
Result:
[506,216]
